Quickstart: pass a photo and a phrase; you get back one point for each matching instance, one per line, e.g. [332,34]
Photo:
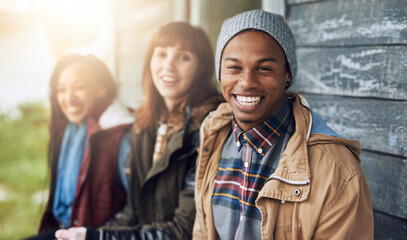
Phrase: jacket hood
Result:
[320,133]
[116,114]
[199,111]
[218,119]
[352,145]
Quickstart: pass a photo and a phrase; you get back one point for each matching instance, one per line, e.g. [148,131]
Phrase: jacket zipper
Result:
[297,183]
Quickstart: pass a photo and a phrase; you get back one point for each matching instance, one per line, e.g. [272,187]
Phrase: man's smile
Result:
[248,101]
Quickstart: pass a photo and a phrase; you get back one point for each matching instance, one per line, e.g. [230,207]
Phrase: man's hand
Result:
[75,233]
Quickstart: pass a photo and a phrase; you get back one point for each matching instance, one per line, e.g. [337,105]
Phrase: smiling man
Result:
[268,167]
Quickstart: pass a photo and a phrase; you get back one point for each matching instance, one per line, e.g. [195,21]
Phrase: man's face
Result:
[253,77]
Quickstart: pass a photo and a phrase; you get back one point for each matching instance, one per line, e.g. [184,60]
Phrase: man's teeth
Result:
[168,79]
[248,101]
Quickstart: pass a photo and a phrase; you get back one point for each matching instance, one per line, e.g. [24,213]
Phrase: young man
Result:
[268,167]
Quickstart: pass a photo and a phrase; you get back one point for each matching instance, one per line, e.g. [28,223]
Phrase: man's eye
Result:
[264,69]
[234,67]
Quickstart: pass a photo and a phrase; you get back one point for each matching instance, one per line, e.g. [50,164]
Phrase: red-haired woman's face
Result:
[77,92]
[173,70]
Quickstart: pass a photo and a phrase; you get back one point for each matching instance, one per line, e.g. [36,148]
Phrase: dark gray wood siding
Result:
[367,71]
[352,67]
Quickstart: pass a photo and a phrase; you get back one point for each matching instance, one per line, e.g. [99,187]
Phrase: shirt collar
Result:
[262,137]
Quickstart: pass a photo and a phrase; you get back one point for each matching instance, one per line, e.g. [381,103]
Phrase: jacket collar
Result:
[293,168]
[294,164]
[292,179]
[218,119]
[293,171]
[194,114]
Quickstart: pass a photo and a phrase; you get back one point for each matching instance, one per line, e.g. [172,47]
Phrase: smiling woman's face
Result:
[173,70]
[253,77]
[77,92]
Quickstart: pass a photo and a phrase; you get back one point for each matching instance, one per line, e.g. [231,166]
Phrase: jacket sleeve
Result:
[123,218]
[183,220]
[129,234]
[351,216]
[179,228]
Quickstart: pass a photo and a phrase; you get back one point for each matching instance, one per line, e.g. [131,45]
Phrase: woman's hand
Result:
[74,233]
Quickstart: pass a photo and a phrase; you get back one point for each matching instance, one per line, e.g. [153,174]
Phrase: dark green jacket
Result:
[162,196]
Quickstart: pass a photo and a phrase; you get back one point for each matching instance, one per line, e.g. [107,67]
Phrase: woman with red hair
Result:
[159,170]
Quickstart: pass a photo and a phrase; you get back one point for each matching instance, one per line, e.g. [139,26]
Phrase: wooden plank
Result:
[275,6]
[291,2]
[379,125]
[349,22]
[388,227]
[378,72]
[386,176]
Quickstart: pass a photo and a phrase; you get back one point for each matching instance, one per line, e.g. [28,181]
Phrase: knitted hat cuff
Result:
[270,23]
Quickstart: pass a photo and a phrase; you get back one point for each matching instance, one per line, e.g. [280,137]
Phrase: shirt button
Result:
[260,150]
[246,164]
[127,170]
[75,222]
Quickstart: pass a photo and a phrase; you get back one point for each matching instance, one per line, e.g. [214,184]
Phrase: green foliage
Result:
[23,170]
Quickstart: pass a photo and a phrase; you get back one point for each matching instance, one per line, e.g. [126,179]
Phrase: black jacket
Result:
[161,200]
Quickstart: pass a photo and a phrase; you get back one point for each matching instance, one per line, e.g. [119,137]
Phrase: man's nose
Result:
[248,80]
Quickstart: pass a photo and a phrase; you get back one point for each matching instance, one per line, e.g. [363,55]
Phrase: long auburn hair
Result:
[58,119]
[192,39]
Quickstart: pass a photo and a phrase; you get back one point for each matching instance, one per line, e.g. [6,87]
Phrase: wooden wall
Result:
[352,67]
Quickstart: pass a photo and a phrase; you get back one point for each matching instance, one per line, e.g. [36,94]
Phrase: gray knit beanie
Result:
[270,23]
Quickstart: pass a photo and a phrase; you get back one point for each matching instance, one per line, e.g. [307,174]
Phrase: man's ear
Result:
[288,79]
